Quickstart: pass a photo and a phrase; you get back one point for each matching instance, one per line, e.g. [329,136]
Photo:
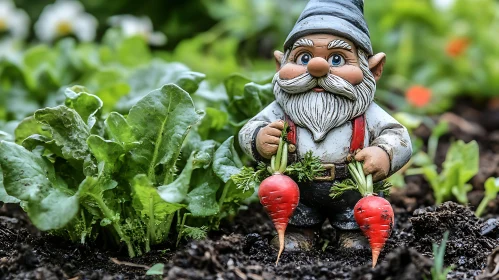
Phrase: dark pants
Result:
[316,206]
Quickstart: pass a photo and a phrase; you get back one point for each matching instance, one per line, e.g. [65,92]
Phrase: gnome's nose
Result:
[318,67]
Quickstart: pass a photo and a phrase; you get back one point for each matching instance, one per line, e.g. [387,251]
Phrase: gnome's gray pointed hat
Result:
[343,18]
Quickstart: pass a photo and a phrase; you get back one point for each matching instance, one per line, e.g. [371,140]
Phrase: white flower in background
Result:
[12,20]
[141,26]
[65,17]
[10,49]
[443,5]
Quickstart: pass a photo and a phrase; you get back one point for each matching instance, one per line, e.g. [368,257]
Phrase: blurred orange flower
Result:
[457,46]
[418,96]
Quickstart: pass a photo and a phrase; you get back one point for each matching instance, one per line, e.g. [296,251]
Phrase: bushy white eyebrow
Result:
[303,42]
[335,44]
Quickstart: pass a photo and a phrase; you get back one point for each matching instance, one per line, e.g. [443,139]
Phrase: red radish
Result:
[375,217]
[279,194]
[373,214]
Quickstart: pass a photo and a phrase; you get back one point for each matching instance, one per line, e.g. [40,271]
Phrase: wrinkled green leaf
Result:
[120,131]
[85,104]
[91,192]
[68,130]
[176,191]
[161,121]
[27,127]
[107,153]
[4,197]
[147,201]
[28,177]
[36,140]
[226,162]
[202,199]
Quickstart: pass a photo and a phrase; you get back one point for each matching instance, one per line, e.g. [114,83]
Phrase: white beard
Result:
[322,111]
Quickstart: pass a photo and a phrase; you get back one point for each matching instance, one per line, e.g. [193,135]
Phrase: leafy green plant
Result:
[438,272]
[461,164]
[82,175]
[491,190]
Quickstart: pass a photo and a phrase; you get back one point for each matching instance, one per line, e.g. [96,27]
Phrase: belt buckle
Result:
[332,175]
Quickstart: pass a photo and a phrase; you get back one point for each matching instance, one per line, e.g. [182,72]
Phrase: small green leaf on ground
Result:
[156,269]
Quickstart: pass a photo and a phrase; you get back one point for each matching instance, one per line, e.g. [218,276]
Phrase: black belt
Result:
[333,172]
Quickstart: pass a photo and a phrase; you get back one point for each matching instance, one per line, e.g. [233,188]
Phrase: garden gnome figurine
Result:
[324,88]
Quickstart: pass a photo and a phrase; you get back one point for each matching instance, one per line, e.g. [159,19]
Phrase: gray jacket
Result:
[382,130]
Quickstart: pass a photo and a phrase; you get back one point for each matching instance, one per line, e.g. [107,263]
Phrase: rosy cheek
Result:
[352,74]
[290,71]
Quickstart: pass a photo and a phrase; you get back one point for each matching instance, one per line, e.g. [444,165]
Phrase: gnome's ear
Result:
[278,59]
[376,64]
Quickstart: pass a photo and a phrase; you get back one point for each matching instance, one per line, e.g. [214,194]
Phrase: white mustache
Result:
[305,82]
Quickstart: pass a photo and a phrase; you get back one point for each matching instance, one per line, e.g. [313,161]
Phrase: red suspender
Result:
[292,131]
[358,132]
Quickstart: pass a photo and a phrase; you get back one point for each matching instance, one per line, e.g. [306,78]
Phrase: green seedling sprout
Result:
[438,272]
[440,129]
[491,190]
[461,164]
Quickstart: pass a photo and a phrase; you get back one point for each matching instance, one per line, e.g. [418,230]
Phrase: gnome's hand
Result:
[376,162]
[267,139]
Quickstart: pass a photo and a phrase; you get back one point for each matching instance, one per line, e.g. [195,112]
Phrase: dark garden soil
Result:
[240,249]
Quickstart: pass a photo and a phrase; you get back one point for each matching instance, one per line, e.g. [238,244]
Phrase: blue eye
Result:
[303,59]
[336,60]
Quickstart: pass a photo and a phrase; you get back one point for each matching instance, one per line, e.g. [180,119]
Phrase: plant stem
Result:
[278,156]
[356,177]
[279,161]
[169,221]
[364,183]
[108,213]
[151,227]
[369,185]
[222,197]
[432,147]
[361,173]
[181,228]
[481,207]
[272,165]
[284,158]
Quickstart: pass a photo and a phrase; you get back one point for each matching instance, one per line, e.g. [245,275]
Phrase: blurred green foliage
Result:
[450,51]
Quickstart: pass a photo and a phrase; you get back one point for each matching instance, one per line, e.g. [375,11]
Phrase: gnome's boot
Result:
[296,239]
[352,240]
